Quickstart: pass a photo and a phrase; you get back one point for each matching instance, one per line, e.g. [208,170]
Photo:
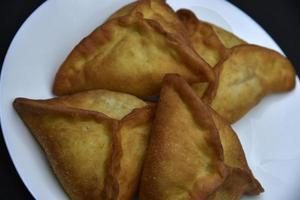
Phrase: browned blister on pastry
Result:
[248,74]
[77,144]
[92,158]
[184,159]
[240,179]
[129,54]
[203,37]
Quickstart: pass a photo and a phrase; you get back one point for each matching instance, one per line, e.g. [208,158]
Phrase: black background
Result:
[280,18]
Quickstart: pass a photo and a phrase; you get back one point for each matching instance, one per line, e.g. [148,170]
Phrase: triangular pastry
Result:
[244,73]
[129,54]
[184,159]
[77,144]
[93,156]
[244,77]
[172,167]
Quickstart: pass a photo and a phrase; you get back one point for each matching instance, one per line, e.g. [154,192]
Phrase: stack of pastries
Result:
[104,141]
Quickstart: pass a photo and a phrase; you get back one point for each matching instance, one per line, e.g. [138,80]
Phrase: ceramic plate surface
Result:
[269,132]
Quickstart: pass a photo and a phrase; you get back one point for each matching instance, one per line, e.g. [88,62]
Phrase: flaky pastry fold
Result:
[115,105]
[244,73]
[240,179]
[210,41]
[227,38]
[157,10]
[130,145]
[203,37]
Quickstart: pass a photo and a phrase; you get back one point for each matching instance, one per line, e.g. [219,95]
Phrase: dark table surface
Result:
[281,19]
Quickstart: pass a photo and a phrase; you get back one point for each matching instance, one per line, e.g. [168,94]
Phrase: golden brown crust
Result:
[240,179]
[227,38]
[92,63]
[115,105]
[208,36]
[77,144]
[184,158]
[235,186]
[124,10]
[246,75]
[275,64]
[156,10]
[210,90]
[128,139]
[208,45]
[42,107]
[129,146]
[203,37]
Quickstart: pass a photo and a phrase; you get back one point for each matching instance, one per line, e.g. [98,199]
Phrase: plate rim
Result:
[10,50]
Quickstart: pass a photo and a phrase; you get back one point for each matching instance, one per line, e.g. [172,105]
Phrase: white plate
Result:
[268,133]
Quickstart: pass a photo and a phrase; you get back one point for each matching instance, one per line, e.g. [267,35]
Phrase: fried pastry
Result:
[184,159]
[172,163]
[244,73]
[129,54]
[78,137]
[129,150]
[228,39]
[203,37]
[77,144]
[210,41]
[206,32]
[248,74]
[157,10]
[115,105]
[240,179]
